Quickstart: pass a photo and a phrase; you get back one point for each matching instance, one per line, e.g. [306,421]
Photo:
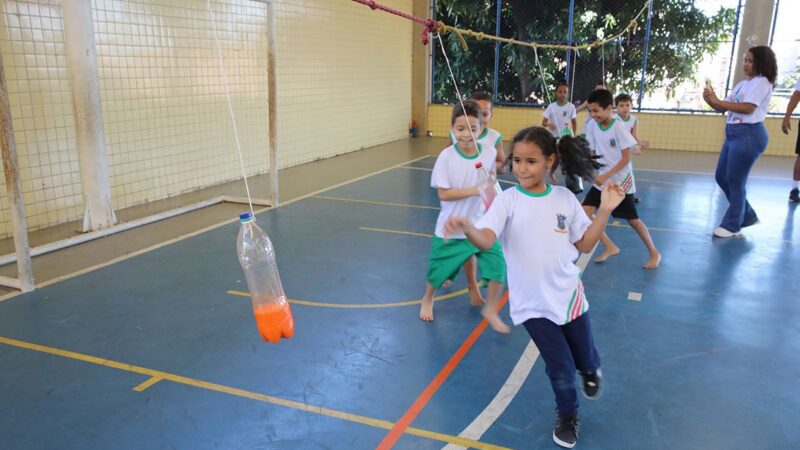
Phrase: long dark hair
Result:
[764,62]
[573,153]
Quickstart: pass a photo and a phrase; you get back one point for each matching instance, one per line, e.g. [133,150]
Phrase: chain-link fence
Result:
[663,62]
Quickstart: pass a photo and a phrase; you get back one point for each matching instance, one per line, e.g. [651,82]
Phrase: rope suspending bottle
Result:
[255,250]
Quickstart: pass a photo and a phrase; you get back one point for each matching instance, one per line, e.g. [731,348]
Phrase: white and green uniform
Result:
[608,143]
[561,114]
[538,234]
[628,123]
[454,170]
[489,138]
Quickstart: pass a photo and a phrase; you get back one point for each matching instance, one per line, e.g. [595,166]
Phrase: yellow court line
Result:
[363,305]
[149,382]
[372,202]
[406,233]
[363,420]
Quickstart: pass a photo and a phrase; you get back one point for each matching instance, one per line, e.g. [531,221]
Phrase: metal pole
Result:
[733,47]
[273,105]
[774,21]
[8,147]
[569,40]
[89,135]
[646,50]
[497,52]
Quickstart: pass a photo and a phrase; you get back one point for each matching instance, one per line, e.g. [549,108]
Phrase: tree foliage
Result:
[681,34]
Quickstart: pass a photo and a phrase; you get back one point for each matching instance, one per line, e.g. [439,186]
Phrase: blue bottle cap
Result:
[245,216]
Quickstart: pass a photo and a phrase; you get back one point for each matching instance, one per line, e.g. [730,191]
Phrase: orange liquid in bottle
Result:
[274,321]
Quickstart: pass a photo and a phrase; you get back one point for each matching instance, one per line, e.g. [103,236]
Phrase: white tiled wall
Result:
[343,81]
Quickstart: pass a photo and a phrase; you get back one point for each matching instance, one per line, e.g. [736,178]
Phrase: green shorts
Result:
[446,258]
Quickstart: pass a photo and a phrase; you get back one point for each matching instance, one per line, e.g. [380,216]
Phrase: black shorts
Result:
[797,146]
[626,210]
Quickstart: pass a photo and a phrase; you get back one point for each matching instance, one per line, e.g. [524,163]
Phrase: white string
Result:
[230,107]
[458,94]
[541,74]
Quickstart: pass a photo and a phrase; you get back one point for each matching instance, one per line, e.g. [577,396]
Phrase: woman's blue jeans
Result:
[744,143]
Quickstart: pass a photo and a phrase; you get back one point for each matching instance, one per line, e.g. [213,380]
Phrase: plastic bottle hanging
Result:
[257,258]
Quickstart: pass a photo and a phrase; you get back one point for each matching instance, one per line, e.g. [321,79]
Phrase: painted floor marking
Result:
[406,233]
[635,296]
[363,420]
[419,404]
[362,305]
[373,202]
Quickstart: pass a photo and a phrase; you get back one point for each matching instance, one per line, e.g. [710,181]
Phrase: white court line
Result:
[203,230]
[511,387]
[710,173]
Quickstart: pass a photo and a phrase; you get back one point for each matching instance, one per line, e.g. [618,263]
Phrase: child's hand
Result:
[456,225]
[786,125]
[600,179]
[611,197]
[637,149]
[552,126]
[644,144]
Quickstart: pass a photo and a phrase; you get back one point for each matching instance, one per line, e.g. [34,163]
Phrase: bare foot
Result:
[494,320]
[653,262]
[475,297]
[426,310]
[607,253]
[447,283]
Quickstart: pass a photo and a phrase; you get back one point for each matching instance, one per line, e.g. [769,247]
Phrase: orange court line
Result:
[419,404]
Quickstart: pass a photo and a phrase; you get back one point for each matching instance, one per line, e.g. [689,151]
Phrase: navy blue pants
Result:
[564,349]
[744,143]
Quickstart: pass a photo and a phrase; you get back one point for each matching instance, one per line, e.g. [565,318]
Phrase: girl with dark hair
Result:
[745,136]
[542,230]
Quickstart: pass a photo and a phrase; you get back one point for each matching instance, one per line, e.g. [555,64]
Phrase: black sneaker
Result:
[794,196]
[565,433]
[592,386]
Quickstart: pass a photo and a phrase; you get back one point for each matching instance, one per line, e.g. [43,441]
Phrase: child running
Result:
[457,182]
[609,139]
[543,229]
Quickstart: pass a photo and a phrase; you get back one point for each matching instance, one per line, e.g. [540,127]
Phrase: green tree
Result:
[681,34]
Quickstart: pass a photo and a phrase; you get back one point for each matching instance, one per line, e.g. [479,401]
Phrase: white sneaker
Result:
[724,233]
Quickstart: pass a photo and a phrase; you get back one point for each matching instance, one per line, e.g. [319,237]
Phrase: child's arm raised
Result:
[483,238]
[611,197]
[451,195]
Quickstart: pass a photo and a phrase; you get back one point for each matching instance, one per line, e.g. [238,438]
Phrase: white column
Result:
[8,147]
[755,30]
[82,60]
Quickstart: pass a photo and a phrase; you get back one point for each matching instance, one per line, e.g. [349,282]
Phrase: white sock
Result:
[795,184]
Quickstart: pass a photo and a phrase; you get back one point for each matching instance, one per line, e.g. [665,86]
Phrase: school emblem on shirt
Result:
[562,223]
[613,142]
[564,114]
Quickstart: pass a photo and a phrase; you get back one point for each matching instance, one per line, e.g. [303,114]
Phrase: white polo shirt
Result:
[758,91]
[628,123]
[561,115]
[537,233]
[454,170]
[608,143]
